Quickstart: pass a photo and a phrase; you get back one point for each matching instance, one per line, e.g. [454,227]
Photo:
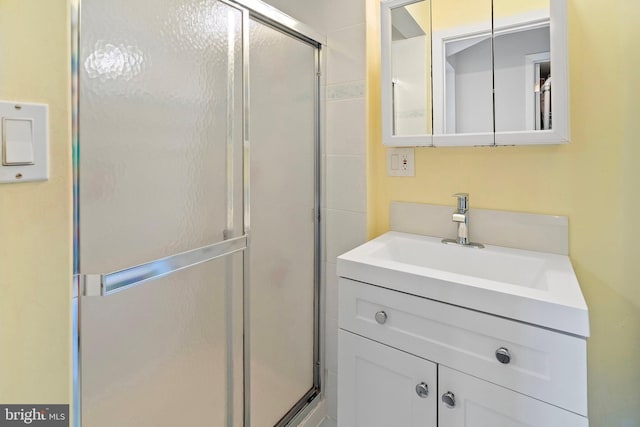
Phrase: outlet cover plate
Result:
[400,162]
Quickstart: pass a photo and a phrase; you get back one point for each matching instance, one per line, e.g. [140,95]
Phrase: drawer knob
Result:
[423,390]
[381,317]
[449,399]
[503,355]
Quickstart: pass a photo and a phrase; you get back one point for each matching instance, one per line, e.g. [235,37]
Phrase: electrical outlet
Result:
[400,162]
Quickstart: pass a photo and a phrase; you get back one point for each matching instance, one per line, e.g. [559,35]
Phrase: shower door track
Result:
[105,284]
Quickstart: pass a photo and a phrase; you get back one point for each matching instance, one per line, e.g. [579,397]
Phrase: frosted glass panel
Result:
[160,97]
[282,138]
[156,355]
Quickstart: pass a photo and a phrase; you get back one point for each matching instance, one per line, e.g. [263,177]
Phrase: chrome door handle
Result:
[109,283]
[449,399]
[381,317]
[503,355]
[422,390]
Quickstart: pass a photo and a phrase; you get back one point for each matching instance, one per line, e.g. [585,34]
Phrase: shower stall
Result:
[197,214]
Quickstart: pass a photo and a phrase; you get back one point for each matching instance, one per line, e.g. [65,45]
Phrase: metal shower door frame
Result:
[277,20]
[105,284]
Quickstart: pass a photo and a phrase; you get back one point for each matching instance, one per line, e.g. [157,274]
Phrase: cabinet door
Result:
[471,402]
[378,386]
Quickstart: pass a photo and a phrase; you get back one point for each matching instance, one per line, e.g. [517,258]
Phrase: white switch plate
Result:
[400,162]
[32,164]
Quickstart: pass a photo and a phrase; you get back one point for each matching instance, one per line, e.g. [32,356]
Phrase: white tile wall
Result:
[345,231]
[332,395]
[342,91]
[325,16]
[331,344]
[329,422]
[346,135]
[343,13]
[345,162]
[346,183]
[331,291]
[316,417]
[346,55]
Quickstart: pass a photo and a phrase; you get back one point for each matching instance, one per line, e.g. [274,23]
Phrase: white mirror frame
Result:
[560,132]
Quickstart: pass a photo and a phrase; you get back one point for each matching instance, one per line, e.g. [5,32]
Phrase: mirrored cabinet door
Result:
[411,69]
[406,69]
[530,69]
[522,56]
[462,72]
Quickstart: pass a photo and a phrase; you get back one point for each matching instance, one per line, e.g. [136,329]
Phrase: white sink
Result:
[533,287]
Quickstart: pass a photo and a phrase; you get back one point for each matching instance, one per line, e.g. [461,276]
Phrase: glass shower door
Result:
[284,234]
[160,213]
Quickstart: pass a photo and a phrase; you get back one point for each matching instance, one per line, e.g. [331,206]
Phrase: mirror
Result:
[411,69]
[463,70]
[474,72]
[406,72]
[530,46]
[522,65]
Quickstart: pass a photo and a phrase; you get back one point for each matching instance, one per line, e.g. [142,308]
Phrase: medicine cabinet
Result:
[474,72]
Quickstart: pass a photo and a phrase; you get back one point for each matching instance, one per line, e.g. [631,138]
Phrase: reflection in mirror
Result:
[522,56]
[462,67]
[411,69]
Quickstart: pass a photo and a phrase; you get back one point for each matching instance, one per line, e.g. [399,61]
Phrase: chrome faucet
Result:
[461,217]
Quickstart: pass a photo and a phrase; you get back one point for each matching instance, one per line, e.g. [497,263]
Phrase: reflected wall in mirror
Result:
[522,56]
[463,68]
[411,69]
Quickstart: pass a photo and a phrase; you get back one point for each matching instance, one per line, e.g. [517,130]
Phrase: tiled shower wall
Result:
[344,183]
[345,168]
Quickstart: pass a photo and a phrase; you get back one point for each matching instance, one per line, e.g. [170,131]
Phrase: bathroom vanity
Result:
[439,335]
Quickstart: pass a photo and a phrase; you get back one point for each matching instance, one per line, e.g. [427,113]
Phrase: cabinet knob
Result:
[449,399]
[422,390]
[503,355]
[381,317]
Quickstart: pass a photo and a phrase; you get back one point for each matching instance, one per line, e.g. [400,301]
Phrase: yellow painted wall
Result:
[454,13]
[594,181]
[502,8]
[35,218]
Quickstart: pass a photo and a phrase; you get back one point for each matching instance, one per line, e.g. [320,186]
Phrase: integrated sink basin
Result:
[533,287]
[495,264]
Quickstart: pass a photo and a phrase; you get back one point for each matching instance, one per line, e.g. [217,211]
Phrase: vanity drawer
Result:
[543,364]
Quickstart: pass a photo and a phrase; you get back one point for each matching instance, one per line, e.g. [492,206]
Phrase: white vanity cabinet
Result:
[405,360]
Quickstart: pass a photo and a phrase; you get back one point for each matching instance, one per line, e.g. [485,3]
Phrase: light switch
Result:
[24,140]
[17,141]
[395,162]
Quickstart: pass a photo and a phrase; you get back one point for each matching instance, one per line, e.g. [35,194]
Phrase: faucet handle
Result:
[463,201]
